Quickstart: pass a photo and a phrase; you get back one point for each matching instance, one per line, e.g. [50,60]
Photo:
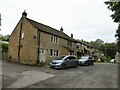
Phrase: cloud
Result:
[86,19]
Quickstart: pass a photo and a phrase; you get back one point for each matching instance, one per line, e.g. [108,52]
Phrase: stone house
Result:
[86,49]
[32,42]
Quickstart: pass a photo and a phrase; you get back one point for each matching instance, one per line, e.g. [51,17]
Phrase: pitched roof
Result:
[50,30]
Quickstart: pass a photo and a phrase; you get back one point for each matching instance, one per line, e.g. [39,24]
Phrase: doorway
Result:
[42,56]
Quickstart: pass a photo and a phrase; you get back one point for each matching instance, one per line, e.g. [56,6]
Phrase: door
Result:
[42,56]
[69,61]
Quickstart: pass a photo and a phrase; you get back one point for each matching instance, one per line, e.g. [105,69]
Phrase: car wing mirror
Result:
[67,59]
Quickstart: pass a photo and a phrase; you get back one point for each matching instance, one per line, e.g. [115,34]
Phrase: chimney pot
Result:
[72,35]
[24,14]
[61,29]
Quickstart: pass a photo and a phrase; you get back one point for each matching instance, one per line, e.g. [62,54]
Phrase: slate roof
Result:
[50,30]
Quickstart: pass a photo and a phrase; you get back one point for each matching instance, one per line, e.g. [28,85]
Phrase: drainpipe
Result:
[19,44]
[24,15]
[38,43]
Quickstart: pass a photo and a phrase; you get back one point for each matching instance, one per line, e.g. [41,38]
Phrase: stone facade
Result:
[27,45]
[33,43]
[117,57]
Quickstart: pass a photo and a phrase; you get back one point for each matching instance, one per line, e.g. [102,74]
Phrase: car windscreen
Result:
[84,58]
[59,58]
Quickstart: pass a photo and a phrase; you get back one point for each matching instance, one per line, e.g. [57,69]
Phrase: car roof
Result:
[70,55]
[86,56]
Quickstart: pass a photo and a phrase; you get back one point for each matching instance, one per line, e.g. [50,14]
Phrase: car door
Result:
[42,56]
[90,60]
[72,61]
[67,62]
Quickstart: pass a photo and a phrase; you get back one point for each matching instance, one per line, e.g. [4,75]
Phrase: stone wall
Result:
[117,57]
[28,42]
[4,56]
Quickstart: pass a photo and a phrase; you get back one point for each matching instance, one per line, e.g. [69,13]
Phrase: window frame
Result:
[54,39]
[22,35]
[54,52]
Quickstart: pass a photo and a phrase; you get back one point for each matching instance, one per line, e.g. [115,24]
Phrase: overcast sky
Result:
[85,19]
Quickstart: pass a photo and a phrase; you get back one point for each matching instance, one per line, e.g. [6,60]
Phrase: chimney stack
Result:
[24,14]
[72,35]
[61,29]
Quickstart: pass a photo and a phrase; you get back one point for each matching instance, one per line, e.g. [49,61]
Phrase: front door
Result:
[42,56]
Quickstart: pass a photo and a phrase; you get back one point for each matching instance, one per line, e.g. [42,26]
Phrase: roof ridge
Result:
[43,24]
[51,30]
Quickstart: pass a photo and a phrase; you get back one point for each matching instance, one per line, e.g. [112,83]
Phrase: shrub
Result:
[4,47]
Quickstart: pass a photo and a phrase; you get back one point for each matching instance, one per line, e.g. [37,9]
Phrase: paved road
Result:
[101,75]
[0,75]
[19,76]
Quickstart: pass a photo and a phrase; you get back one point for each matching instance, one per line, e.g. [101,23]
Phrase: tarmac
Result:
[0,74]
[27,78]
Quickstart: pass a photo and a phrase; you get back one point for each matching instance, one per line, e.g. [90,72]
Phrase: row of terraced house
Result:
[32,43]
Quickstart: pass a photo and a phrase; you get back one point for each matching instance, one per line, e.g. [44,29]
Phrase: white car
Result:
[112,61]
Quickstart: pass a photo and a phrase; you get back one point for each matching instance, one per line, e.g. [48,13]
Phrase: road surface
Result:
[100,75]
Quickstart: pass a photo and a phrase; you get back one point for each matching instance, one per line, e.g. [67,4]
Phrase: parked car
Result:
[64,62]
[86,60]
[112,61]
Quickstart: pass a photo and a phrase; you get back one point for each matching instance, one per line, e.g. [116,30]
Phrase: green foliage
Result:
[107,59]
[109,49]
[99,41]
[118,39]
[115,8]
[5,38]
[4,47]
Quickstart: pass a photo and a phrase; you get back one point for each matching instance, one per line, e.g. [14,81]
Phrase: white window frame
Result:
[54,39]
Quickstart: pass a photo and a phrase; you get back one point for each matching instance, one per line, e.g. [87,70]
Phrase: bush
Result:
[4,47]
[107,59]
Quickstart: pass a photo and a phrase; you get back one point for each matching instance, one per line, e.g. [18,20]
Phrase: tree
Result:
[99,41]
[5,38]
[109,49]
[4,43]
[115,8]
[4,47]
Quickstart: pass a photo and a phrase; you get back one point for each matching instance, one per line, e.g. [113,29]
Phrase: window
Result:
[69,43]
[51,52]
[54,39]
[54,52]
[70,58]
[90,57]
[51,38]
[57,53]
[22,35]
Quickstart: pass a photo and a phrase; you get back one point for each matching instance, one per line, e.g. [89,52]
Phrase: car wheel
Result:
[76,65]
[63,66]
[92,63]
[86,64]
